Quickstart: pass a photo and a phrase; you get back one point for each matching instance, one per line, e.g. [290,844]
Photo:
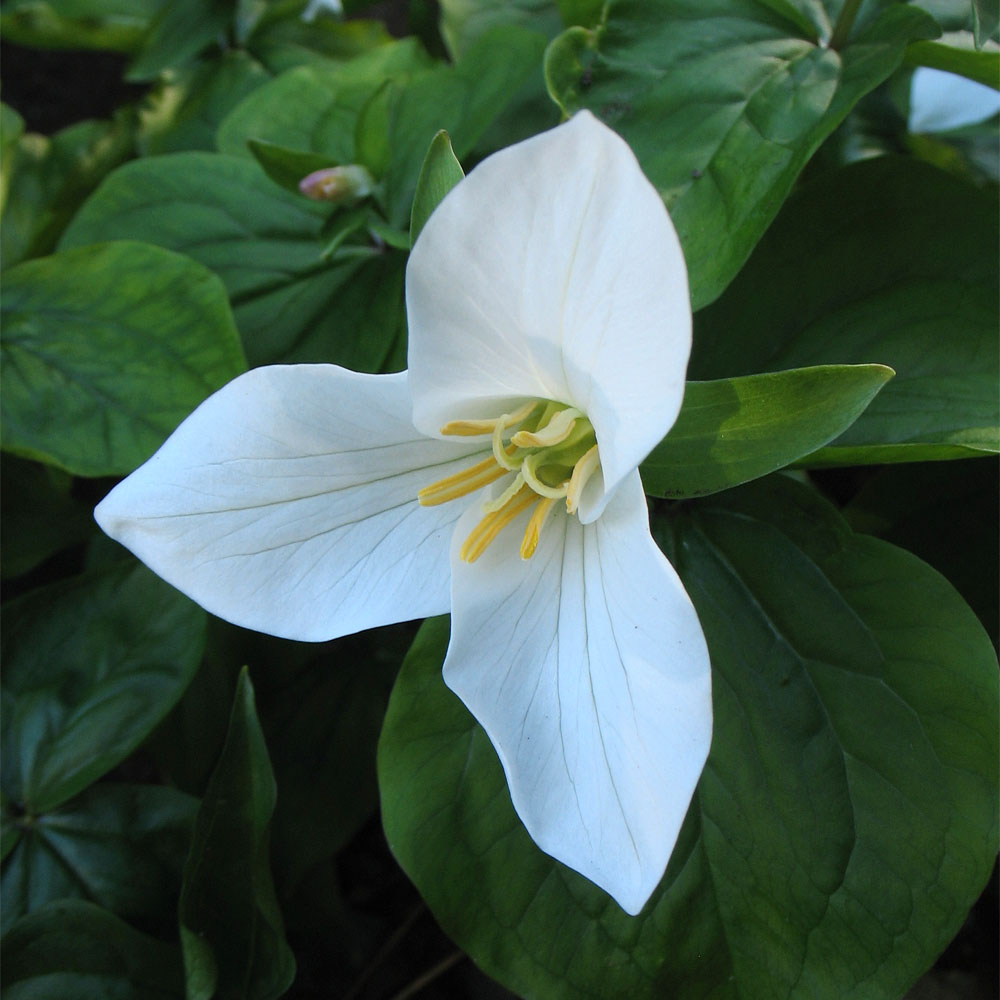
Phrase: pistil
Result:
[552,452]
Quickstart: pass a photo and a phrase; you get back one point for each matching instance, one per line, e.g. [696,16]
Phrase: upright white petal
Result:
[287,503]
[587,667]
[941,101]
[553,270]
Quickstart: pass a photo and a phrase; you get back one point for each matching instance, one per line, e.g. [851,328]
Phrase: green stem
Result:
[845,22]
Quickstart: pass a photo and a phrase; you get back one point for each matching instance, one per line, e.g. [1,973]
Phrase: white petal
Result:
[553,270]
[587,667]
[941,101]
[287,503]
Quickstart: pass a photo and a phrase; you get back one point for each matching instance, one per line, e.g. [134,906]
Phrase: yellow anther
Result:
[535,525]
[475,428]
[461,483]
[559,428]
[491,525]
[582,471]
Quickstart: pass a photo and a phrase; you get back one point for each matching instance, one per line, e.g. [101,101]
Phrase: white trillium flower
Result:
[550,328]
[940,101]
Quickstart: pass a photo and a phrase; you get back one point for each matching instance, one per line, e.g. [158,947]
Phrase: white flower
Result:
[549,331]
[940,101]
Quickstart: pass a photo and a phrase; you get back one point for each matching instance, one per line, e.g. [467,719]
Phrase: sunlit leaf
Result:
[724,102]
[733,430]
[164,320]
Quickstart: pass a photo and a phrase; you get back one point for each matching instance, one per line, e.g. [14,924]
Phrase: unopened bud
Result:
[338,184]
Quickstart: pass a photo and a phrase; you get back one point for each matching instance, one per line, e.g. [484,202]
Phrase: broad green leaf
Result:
[185,111]
[316,107]
[439,174]
[464,21]
[164,320]
[282,39]
[266,245]
[74,950]
[845,820]
[181,30]
[231,927]
[733,430]
[40,515]
[463,99]
[286,167]
[120,25]
[120,846]
[47,179]
[723,103]
[852,272]
[91,665]
[948,514]
[983,67]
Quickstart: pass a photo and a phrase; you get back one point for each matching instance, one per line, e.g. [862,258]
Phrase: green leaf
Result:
[983,67]
[322,727]
[73,950]
[845,820]
[733,430]
[465,21]
[316,107]
[120,846]
[282,39]
[463,100]
[267,246]
[986,19]
[164,320]
[440,173]
[89,671]
[120,25]
[47,179]
[231,927]
[40,516]
[723,103]
[948,514]
[185,111]
[181,30]
[286,167]
[852,273]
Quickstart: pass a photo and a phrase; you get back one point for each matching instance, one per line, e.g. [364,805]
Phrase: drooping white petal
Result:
[941,101]
[287,503]
[587,667]
[553,271]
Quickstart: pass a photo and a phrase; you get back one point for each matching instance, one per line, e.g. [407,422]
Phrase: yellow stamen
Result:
[558,429]
[491,525]
[473,428]
[535,525]
[461,483]
[582,471]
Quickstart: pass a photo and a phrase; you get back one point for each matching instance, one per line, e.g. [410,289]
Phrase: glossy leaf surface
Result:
[724,102]
[162,317]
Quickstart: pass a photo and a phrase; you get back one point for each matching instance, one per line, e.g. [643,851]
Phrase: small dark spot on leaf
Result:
[695,174]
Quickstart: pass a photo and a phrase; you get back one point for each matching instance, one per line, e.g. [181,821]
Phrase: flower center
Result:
[550,448]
